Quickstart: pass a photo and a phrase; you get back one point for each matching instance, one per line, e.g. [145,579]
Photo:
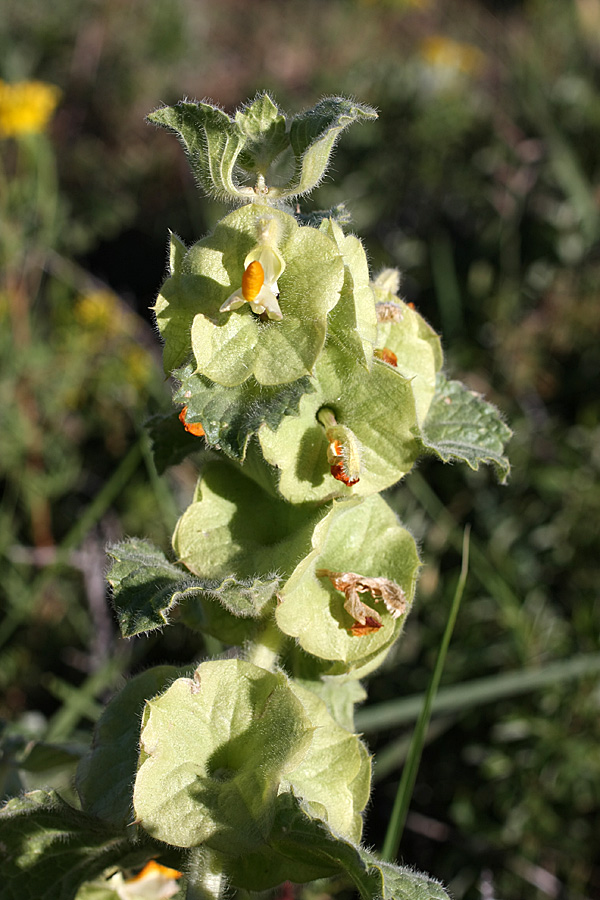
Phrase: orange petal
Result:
[154,868]
[387,356]
[338,470]
[369,627]
[252,281]
[194,428]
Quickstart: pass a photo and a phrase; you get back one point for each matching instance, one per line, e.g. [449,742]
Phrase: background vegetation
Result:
[481,182]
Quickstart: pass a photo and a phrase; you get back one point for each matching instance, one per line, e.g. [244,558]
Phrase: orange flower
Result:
[154,882]
[193,427]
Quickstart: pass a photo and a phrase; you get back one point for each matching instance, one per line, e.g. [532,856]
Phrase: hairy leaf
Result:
[171,443]
[234,528]
[49,848]
[416,348]
[334,777]
[230,415]
[462,426]
[364,536]
[377,406]
[106,775]
[212,143]
[147,588]
[215,749]
[353,322]
[313,135]
[264,127]
[231,346]
[303,848]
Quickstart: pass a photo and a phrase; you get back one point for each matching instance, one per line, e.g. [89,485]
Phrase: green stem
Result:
[264,650]
[205,876]
[409,772]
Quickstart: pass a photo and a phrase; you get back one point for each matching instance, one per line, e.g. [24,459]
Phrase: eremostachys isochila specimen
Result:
[304,389]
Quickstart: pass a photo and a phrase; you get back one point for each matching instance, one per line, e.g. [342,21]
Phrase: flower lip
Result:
[252,281]
[259,288]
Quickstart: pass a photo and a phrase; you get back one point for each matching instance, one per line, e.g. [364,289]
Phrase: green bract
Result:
[334,777]
[363,538]
[229,347]
[379,409]
[235,528]
[413,342]
[218,748]
[224,151]
[353,322]
[215,749]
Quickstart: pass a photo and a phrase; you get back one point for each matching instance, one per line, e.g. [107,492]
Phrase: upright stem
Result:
[265,648]
[206,880]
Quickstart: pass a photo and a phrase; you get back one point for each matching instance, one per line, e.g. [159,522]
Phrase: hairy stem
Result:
[206,880]
[264,650]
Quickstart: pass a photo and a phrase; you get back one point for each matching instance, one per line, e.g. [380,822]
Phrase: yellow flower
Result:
[99,311]
[443,52]
[154,882]
[26,107]
[138,364]
[262,267]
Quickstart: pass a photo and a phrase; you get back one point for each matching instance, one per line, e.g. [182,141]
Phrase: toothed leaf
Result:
[230,415]
[211,141]
[147,589]
[313,135]
[462,426]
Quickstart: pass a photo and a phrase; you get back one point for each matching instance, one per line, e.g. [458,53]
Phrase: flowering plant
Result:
[305,388]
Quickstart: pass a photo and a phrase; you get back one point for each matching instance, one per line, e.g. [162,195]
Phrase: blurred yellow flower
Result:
[99,311]
[589,17]
[26,106]
[138,365]
[440,51]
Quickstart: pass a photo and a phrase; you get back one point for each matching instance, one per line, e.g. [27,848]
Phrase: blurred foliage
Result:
[481,182]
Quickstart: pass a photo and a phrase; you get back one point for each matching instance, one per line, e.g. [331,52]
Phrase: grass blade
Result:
[409,772]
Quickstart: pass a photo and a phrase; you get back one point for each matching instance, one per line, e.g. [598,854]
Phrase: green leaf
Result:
[417,347]
[49,848]
[265,129]
[377,406]
[171,443]
[215,749]
[462,426]
[38,756]
[219,147]
[147,588]
[303,848]
[212,142]
[315,218]
[401,882]
[235,529]
[230,347]
[334,777]
[230,415]
[353,322]
[106,775]
[361,537]
[313,135]
[339,693]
